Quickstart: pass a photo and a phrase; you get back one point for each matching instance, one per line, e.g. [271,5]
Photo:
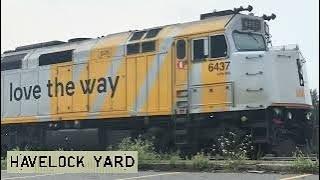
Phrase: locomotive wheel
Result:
[284,148]
[161,138]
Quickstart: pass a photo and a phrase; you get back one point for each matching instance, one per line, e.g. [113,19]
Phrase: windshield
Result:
[249,41]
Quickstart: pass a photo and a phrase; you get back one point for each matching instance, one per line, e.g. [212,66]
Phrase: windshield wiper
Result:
[252,35]
[258,42]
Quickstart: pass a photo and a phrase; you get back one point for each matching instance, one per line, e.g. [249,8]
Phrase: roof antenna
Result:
[225,12]
[237,10]
[268,18]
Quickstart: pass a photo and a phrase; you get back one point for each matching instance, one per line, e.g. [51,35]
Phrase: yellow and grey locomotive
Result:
[183,83]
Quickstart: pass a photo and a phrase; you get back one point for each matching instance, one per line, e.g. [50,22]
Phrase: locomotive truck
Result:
[184,84]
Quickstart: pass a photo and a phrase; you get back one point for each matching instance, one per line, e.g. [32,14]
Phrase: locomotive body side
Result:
[118,84]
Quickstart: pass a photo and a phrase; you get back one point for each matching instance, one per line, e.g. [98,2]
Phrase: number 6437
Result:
[219,66]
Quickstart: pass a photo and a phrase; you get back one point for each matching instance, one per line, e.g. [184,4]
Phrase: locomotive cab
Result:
[281,69]
[275,78]
[265,86]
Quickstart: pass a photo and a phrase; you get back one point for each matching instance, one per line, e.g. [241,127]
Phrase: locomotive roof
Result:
[216,23]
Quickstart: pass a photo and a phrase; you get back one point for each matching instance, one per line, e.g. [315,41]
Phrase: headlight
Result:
[308,115]
[277,111]
[244,119]
[289,115]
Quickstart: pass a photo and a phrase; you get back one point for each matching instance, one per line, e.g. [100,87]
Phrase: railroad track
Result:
[313,158]
[271,158]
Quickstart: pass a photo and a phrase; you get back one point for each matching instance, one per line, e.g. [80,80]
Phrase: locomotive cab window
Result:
[10,65]
[152,33]
[200,49]
[181,49]
[148,46]
[137,35]
[133,48]
[218,46]
[248,41]
[12,62]
[55,58]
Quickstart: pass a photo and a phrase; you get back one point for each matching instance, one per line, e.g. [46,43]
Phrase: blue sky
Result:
[26,22]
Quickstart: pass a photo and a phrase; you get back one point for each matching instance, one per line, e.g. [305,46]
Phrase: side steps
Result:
[183,127]
[181,130]
[183,134]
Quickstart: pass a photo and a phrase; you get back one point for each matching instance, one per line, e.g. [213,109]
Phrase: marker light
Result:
[289,115]
[244,119]
[308,115]
[277,111]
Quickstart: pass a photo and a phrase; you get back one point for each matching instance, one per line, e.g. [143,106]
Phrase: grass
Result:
[174,160]
[200,161]
[235,162]
[3,164]
[145,148]
[303,163]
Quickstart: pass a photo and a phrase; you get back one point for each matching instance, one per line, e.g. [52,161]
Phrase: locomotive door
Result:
[210,88]
[79,98]
[69,90]
[181,92]
[64,75]
[180,59]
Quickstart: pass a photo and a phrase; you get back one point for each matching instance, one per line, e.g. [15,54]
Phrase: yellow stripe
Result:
[213,94]
[148,176]
[100,63]
[152,103]
[15,120]
[296,177]
[118,102]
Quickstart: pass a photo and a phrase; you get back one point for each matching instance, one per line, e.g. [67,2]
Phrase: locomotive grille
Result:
[251,24]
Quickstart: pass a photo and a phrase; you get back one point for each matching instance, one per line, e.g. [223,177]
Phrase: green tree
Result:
[315,103]
[315,114]
[315,98]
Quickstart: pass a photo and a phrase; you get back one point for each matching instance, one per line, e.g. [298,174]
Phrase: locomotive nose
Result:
[288,76]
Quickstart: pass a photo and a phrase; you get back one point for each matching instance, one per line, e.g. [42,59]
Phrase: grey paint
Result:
[29,107]
[112,70]
[44,106]
[154,71]
[11,108]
